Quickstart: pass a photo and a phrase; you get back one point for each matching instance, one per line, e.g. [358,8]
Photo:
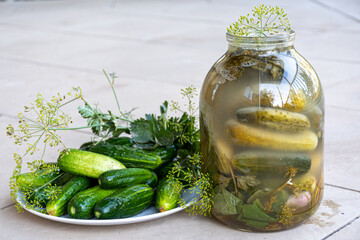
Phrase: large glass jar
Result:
[261,120]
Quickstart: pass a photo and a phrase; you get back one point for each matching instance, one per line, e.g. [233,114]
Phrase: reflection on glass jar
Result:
[261,120]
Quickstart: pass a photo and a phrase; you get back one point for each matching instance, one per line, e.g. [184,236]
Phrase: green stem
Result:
[41,187]
[74,128]
[74,99]
[273,19]
[36,114]
[34,145]
[281,186]
[43,153]
[266,23]
[116,98]
[36,123]
[124,119]
[57,138]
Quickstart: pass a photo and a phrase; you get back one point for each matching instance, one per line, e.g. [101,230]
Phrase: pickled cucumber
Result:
[273,118]
[248,136]
[272,162]
[315,116]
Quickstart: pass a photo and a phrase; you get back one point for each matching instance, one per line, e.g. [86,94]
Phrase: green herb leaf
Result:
[142,131]
[254,215]
[86,112]
[259,194]
[225,203]
[163,111]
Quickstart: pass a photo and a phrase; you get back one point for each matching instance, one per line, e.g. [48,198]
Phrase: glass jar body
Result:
[261,121]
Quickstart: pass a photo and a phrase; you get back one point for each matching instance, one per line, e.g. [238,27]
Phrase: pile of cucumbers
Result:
[109,180]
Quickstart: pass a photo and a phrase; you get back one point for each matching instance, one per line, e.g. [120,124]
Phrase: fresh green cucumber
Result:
[57,207]
[272,162]
[63,179]
[168,194]
[152,181]
[87,146]
[165,153]
[81,206]
[126,202]
[112,141]
[36,179]
[164,170]
[119,178]
[120,141]
[86,163]
[130,156]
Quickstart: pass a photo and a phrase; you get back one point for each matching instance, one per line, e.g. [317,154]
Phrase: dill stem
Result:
[268,19]
[36,123]
[116,98]
[57,139]
[35,144]
[73,128]
[273,19]
[43,153]
[74,99]
[36,114]
[41,187]
[52,114]
[281,186]
[233,178]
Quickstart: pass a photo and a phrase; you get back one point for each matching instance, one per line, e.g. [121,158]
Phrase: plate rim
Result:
[102,222]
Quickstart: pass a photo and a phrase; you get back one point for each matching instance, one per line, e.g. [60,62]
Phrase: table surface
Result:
[156,48]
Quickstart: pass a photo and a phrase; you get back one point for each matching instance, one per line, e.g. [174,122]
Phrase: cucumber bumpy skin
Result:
[168,194]
[129,156]
[272,162]
[81,206]
[273,118]
[57,206]
[85,163]
[152,181]
[114,141]
[250,136]
[126,202]
[119,178]
[36,179]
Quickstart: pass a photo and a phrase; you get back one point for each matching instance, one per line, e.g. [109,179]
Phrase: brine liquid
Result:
[284,195]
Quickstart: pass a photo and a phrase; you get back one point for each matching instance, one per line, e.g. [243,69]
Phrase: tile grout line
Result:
[12,204]
[342,227]
[9,116]
[334,9]
[157,40]
[202,20]
[345,188]
[84,70]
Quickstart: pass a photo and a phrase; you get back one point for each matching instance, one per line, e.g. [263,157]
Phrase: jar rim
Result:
[282,38]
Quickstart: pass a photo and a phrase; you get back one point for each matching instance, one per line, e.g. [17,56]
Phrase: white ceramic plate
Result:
[147,215]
